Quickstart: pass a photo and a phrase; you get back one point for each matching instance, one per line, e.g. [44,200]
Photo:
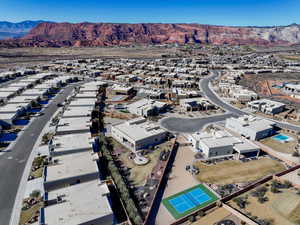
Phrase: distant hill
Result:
[109,34]
[16,30]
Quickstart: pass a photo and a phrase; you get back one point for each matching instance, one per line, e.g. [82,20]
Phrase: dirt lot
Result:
[288,147]
[291,57]
[228,172]
[283,208]
[265,85]
[23,56]
[217,215]
[139,174]
[179,180]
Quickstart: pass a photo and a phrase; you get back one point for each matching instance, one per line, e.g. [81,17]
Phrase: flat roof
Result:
[87,94]
[71,142]
[83,101]
[6,94]
[7,116]
[139,129]
[22,98]
[12,108]
[73,124]
[34,92]
[82,203]
[71,165]
[246,146]
[20,84]
[214,142]
[267,103]
[10,89]
[78,111]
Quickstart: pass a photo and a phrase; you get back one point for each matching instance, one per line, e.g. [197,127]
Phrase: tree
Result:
[241,202]
[262,199]
[192,218]
[274,189]
[287,184]
[35,194]
[201,213]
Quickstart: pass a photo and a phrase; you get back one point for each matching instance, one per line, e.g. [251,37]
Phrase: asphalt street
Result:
[205,88]
[12,163]
[187,125]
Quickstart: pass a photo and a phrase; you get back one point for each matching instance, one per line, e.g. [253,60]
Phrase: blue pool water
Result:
[34,110]
[189,200]
[44,102]
[20,122]
[281,137]
[8,137]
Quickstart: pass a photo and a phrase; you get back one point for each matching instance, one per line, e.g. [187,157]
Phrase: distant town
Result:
[196,135]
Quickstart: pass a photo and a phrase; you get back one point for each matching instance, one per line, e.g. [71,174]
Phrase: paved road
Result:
[12,163]
[187,125]
[205,88]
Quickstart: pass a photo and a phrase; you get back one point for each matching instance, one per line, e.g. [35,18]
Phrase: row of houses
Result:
[75,192]
[35,90]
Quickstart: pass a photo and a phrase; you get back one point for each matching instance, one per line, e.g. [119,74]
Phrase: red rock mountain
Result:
[108,34]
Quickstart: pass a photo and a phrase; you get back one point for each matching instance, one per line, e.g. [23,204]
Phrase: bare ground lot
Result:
[216,216]
[263,84]
[233,171]
[282,208]
[10,57]
[290,57]
[288,147]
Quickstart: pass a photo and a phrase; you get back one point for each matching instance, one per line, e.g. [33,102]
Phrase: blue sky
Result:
[217,12]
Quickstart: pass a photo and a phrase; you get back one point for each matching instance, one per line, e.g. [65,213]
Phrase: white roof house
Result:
[78,111]
[267,106]
[221,144]
[138,133]
[251,127]
[84,203]
[146,107]
[73,125]
[70,143]
[121,89]
[67,169]
[79,102]
[92,86]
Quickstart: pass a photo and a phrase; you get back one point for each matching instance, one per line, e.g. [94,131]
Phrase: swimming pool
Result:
[282,138]
[7,137]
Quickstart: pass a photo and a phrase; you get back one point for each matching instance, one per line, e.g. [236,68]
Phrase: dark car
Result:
[59,105]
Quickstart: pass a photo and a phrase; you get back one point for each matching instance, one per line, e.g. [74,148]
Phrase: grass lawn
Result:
[177,214]
[288,147]
[233,171]
[282,208]
[26,215]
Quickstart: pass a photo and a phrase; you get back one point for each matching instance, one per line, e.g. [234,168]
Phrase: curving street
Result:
[214,98]
[12,163]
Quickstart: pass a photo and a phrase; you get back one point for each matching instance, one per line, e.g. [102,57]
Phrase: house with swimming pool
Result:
[221,144]
[251,127]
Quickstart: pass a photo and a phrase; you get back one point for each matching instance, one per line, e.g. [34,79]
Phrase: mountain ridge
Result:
[18,29]
[87,34]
